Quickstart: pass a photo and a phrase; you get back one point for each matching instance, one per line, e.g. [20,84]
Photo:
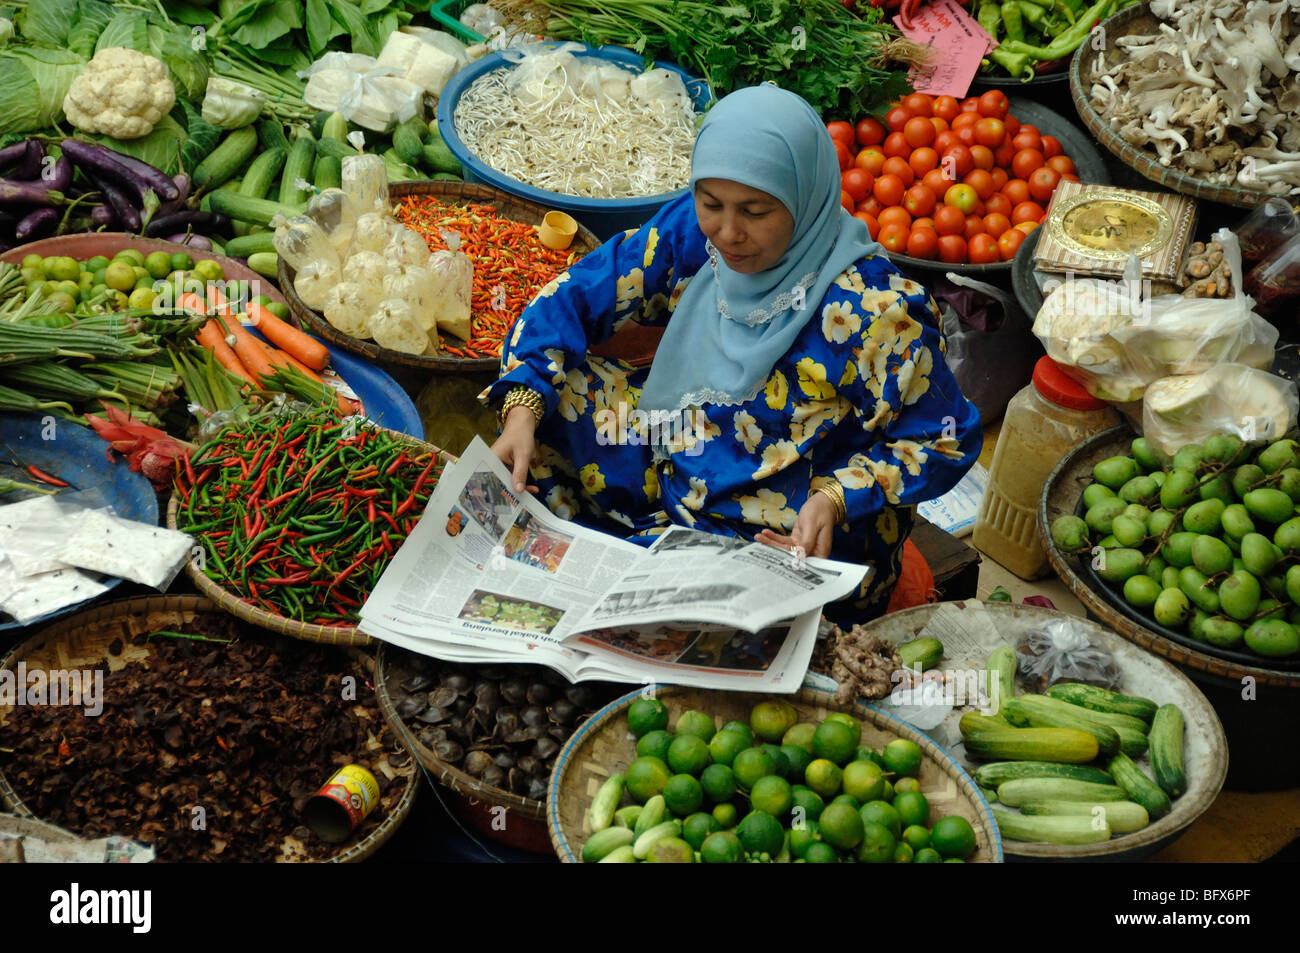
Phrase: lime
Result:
[905,785]
[71,288]
[143,281]
[797,758]
[279,309]
[761,833]
[917,837]
[927,855]
[821,853]
[141,298]
[63,302]
[742,728]
[771,720]
[888,794]
[808,805]
[868,753]
[718,782]
[726,744]
[131,256]
[696,723]
[158,264]
[120,276]
[835,741]
[687,755]
[824,777]
[671,850]
[801,838]
[844,718]
[697,828]
[727,815]
[62,268]
[953,837]
[646,715]
[876,846]
[141,272]
[903,854]
[100,276]
[912,807]
[772,795]
[903,757]
[209,270]
[96,263]
[840,826]
[750,765]
[779,759]
[33,261]
[35,286]
[721,847]
[883,813]
[30,275]
[646,777]
[683,795]
[119,300]
[655,744]
[182,262]
[800,736]
[864,780]
[848,799]
[85,281]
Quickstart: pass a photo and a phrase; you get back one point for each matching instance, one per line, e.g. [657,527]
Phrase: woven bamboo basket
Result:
[1060,496]
[83,641]
[348,635]
[603,746]
[1138,19]
[507,206]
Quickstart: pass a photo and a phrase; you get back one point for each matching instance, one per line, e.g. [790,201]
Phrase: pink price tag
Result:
[957,44]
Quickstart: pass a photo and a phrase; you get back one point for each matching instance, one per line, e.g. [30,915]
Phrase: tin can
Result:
[334,812]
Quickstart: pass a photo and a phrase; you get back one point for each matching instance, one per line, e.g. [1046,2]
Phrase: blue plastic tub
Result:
[605,217]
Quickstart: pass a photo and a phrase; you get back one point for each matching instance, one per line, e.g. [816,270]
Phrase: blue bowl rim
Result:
[618,55]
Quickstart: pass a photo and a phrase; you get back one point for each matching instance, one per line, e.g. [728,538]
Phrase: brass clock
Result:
[1111,226]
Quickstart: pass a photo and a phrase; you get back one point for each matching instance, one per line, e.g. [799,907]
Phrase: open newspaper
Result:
[491,575]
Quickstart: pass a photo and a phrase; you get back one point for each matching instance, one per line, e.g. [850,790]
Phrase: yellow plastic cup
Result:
[557,230]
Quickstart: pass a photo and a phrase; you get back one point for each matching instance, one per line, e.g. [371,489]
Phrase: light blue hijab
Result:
[729,329]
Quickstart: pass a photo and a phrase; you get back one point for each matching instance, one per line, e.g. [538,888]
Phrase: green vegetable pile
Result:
[1035,33]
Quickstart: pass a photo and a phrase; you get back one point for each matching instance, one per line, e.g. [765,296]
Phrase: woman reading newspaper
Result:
[799,395]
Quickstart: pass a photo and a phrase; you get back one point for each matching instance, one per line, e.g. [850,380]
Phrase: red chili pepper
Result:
[370,511]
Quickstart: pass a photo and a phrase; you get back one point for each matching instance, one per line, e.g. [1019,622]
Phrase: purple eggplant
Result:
[101,163]
[101,216]
[12,155]
[121,204]
[193,241]
[28,193]
[37,224]
[34,161]
[183,185]
[58,175]
[206,222]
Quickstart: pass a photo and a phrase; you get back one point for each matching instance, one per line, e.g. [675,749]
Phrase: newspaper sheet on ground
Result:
[491,575]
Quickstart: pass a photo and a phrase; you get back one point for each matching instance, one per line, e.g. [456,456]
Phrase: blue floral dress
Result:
[864,396]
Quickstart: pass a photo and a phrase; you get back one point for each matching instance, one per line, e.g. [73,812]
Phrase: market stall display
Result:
[1036,40]
[174,741]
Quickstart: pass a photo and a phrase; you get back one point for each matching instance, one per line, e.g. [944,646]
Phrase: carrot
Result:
[288,338]
[212,336]
[248,348]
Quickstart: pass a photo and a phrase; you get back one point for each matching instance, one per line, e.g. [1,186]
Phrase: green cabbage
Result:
[33,82]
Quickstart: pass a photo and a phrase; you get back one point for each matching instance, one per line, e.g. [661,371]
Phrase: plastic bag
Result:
[453,280]
[544,74]
[334,212]
[1228,399]
[1062,652]
[374,97]
[365,180]
[300,241]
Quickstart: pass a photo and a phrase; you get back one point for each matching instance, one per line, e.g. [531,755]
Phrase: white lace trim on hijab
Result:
[780,304]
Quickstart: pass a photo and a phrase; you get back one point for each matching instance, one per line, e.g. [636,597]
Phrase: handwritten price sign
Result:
[957,44]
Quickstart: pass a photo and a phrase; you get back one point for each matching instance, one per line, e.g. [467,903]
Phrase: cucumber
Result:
[603,843]
[1049,829]
[1138,786]
[1132,743]
[251,244]
[926,653]
[398,171]
[1113,719]
[407,143]
[1123,817]
[439,158]
[619,855]
[335,148]
[262,172]
[298,166]
[1027,712]
[226,159]
[445,177]
[1031,744]
[652,814]
[627,816]
[1000,675]
[601,812]
[998,772]
[647,840]
[1099,699]
[265,263]
[329,172]
[335,128]
[1166,740]
[1014,793]
[256,211]
[317,124]
[271,134]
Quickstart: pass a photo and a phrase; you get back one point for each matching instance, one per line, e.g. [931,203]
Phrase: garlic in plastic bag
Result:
[412,286]
[453,279]
[333,211]
[314,281]
[367,268]
[348,307]
[407,247]
[365,180]
[371,233]
[301,241]
[395,326]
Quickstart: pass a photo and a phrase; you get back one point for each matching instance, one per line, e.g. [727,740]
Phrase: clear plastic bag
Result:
[300,241]
[374,97]
[395,326]
[1061,651]
[347,306]
[365,180]
[453,280]
[1228,399]
[333,211]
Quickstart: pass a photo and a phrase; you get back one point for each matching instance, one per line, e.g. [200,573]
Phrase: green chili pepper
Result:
[1036,16]
[1067,42]
[990,17]
[1011,19]
[1000,594]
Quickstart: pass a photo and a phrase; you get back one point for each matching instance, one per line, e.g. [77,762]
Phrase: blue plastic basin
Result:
[605,217]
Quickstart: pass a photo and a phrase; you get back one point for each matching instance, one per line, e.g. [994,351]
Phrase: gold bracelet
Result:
[835,492]
[523,397]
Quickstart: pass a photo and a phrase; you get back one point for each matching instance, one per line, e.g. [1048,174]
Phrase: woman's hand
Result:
[812,531]
[516,445]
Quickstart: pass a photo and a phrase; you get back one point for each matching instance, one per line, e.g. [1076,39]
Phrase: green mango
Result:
[1211,555]
[1114,472]
[1188,458]
[1069,533]
[1203,517]
[1239,595]
[1220,488]
[1290,483]
[1244,477]
[1094,493]
[1293,584]
[1177,549]
[1128,531]
[1195,585]
[1169,577]
[1179,490]
[1221,448]
[1273,638]
[1197,623]
[1237,564]
[1235,521]
[1141,591]
[1138,512]
[1156,568]
[1161,520]
[1287,536]
[1233,544]
[1100,517]
[1221,632]
[1258,554]
[1269,505]
[1270,609]
[1138,490]
[1294,615]
[1143,454]
[1172,608]
[1159,476]
[1277,456]
[1118,565]
[1108,542]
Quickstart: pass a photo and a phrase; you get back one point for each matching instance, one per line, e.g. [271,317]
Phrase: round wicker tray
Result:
[1138,19]
[83,641]
[349,635]
[507,205]
[603,745]
[1060,497]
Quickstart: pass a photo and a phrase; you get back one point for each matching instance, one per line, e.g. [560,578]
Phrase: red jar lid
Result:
[1062,389]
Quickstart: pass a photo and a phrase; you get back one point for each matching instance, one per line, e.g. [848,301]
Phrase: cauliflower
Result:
[121,93]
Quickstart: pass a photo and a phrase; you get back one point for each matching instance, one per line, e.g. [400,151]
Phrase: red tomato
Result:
[946,107]
[978,209]
[1060,163]
[897,165]
[961,197]
[1051,146]
[872,159]
[956,162]
[872,206]
[919,131]
[1026,212]
[945,140]
[846,200]
[922,243]
[963,120]
[996,223]
[1028,128]
[870,132]
[1025,162]
[999,177]
[981,182]
[1027,140]
[971,104]
[922,160]
[990,132]
[843,154]
[896,145]
[873,226]
[894,238]
[982,156]
[888,190]
[949,220]
[936,181]
[952,249]
[1042,183]
[1016,191]
[897,118]
[1008,242]
[966,136]
[974,225]
[998,204]
[993,104]
[919,104]
[895,215]
[1012,124]
[940,125]
[1003,154]
[1027,227]
[923,222]
[841,132]
[1069,177]
[982,249]
[918,200]
[857,182]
